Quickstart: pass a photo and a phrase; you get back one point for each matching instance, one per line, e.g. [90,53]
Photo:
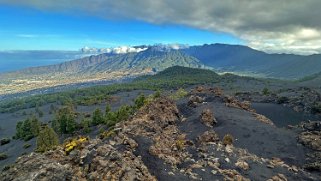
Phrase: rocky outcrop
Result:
[310,137]
[98,160]
[207,90]
[208,137]
[207,118]
[195,100]
[233,102]
[263,119]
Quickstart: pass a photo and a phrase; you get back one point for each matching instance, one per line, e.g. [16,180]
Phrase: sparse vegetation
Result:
[140,101]
[6,167]
[265,91]
[316,108]
[3,156]
[228,139]
[282,100]
[107,134]
[107,109]
[27,145]
[180,93]
[74,143]
[39,111]
[4,141]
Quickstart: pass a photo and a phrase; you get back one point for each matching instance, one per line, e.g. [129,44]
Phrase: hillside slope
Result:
[95,68]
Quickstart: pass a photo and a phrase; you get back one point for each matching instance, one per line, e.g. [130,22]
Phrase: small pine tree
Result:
[157,94]
[108,109]
[19,131]
[34,126]
[140,101]
[111,119]
[97,117]
[265,91]
[85,124]
[47,139]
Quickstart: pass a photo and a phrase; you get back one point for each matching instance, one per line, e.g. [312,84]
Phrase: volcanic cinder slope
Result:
[181,140]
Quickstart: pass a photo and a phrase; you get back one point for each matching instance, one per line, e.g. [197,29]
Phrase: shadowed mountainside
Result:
[244,59]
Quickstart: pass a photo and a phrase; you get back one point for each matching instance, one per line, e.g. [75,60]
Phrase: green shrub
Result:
[180,93]
[111,119]
[98,117]
[316,108]
[85,125]
[27,145]
[157,94]
[265,91]
[140,101]
[39,111]
[282,100]
[101,130]
[107,134]
[6,167]
[124,112]
[24,113]
[28,137]
[107,109]
[3,156]
[4,141]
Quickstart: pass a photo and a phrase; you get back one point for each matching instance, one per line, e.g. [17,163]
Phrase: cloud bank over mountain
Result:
[291,26]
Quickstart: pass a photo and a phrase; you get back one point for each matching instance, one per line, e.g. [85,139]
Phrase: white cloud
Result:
[116,50]
[274,25]
[27,35]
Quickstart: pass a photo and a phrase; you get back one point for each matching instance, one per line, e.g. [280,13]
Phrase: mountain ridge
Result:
[237,59]
[240,58]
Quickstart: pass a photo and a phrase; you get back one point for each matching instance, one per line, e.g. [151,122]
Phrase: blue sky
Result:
[27,28]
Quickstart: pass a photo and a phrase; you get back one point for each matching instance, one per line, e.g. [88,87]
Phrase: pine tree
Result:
[47,139]
[34,126]
[107,110]
[140,101]
[111,119]
[97,117]
[65,122]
